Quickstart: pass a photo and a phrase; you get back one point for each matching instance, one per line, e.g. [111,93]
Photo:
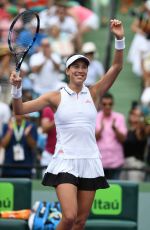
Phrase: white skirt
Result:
[86,174]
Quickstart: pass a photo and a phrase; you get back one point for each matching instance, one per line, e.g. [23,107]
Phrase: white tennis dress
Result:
[77,158]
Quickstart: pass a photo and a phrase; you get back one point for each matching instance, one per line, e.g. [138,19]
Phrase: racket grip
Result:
[16,92]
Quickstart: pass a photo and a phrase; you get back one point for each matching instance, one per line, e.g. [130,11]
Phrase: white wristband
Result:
[120,44]
[16,92]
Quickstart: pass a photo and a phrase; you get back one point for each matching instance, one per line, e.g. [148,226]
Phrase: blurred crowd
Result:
[29,140]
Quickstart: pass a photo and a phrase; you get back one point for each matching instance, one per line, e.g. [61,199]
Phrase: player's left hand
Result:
[117,28]
[15,79]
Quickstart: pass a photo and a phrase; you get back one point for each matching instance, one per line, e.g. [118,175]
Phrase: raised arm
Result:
[49,99]
[98,89]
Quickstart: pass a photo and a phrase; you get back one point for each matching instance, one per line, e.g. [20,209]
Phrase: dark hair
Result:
[108,96]
[134,104]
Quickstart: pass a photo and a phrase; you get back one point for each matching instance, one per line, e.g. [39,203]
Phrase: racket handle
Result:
[18,73]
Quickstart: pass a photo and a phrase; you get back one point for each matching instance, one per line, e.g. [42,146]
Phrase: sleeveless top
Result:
[75,121]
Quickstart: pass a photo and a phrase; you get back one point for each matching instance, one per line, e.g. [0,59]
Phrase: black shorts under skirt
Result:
[87,184]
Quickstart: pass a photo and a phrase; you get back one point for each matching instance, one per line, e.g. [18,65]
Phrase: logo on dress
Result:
[87,101]
[60,151]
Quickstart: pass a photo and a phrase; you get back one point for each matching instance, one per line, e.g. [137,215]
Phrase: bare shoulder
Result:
[95,89]
[95,94]
[53,99]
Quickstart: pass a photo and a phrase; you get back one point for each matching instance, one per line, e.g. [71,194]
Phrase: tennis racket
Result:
[20,49]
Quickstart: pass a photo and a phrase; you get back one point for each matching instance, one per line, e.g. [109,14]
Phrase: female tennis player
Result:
[75,170]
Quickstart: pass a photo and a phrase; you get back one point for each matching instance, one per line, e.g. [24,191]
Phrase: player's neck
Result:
[75,88]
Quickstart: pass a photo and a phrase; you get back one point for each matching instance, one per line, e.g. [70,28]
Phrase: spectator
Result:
[36,5]
[47,14]
[67,23]
[140,27]
[46,68]
[86,19]
[145,95]
[48,127]
[61,42]
[5,69]
[96,69]
[145,64]
[135,146]
[5,115]
[10,12]
[19,140]
[3,9]
[110,134]
[27,33]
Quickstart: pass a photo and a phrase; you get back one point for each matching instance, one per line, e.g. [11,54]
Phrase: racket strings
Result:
[26,22]
[18,57]
[22,35]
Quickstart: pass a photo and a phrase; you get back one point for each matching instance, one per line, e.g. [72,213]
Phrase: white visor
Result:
[75,58]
